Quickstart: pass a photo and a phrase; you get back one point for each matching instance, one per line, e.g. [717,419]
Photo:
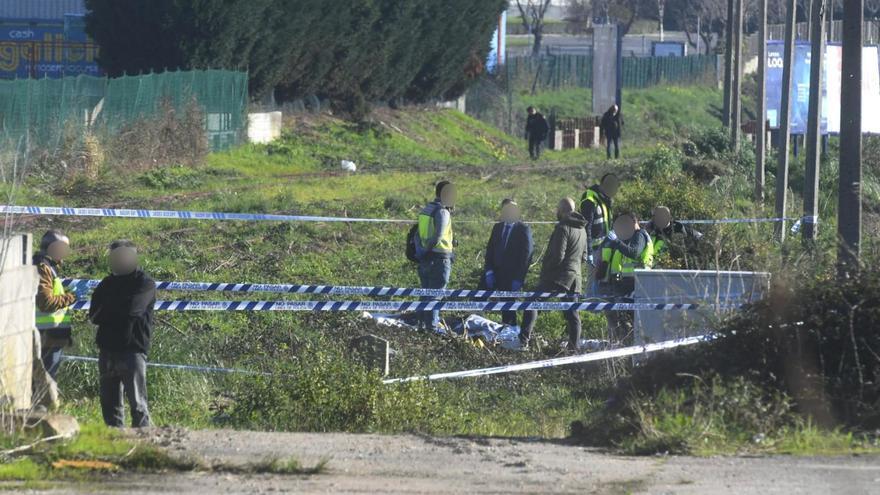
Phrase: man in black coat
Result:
[508,255]
[122,308]
[612,126]
[536,131]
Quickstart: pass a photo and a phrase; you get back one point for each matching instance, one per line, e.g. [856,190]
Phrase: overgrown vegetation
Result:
[316,385]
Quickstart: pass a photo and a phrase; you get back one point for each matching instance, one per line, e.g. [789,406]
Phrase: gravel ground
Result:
[421,464]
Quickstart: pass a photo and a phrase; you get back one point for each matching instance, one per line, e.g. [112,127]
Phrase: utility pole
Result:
[728,63]
[811,175]
[849,210]
[736,89]
[761,136]
[784,120]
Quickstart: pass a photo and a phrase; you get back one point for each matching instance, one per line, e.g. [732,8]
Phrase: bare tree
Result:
[532,14]
[578,14]
[661,8]
[705,19]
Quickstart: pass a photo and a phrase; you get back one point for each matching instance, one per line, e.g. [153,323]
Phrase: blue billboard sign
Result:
[41,48]
[800,86]
[668,49]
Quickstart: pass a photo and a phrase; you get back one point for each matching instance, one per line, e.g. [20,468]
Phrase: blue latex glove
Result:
[490,279]
[590,260]
[612,236]
[516,285]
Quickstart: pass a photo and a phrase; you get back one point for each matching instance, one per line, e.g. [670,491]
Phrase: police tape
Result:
[403,306]
[332,290]
[187,367]
[551,363]
[510,368]
[180,215]
[208,215]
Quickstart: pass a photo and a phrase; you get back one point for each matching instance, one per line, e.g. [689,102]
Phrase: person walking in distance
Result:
[536,131]
[561,269]
[53,301]
[435,247]
[611,126]
[122,308]
[508,255]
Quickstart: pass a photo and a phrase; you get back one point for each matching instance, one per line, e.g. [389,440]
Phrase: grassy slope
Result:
[398,160]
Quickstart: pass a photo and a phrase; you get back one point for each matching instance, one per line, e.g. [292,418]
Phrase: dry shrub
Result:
[171,137]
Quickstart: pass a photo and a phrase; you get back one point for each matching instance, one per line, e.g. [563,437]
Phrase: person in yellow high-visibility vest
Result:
[435,247]
[626,248]
[52,317]
[596,208]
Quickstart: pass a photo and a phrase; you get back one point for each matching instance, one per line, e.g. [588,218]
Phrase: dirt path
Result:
[419,464]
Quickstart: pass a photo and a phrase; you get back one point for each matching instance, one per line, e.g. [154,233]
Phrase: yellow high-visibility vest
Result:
[426,231]
[57,319]
[603,222]
[618,263]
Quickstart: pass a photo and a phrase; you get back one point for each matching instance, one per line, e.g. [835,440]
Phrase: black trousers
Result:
[123,372]
[572,319]
[608,142]
[535,148]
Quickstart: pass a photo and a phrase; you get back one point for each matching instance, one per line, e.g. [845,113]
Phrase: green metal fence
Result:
[47,109]
[565,71]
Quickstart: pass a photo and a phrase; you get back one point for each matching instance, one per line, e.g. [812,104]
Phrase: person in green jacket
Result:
[561,269]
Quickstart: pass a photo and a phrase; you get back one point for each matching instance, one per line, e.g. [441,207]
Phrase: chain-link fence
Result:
[49,109]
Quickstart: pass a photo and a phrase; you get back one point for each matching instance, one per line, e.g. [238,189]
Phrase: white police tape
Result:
[208,215]
[187,367]
[331,290]
[550,363]
[546,363]
[181,215]
[335,306]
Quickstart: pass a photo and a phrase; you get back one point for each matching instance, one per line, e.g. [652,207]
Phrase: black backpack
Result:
[412,239]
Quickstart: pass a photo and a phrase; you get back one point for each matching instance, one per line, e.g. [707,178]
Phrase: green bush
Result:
[711,142]
[663,162]
[170,178]
[321,390]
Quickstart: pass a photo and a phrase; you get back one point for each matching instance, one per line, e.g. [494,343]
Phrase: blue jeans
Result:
[433,274]
[52,359]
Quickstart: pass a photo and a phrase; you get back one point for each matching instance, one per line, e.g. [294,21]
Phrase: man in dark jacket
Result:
[435,247]
[508,255]
[122,308]
[611,126]
[667,232]
[53,301]
[536,131]
[561,268]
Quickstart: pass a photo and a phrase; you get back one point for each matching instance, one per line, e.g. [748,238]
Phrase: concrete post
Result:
[604,67]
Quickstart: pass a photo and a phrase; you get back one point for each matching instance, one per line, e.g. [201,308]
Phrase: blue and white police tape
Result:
[208,215]
[186,367]
[181,215]
[340,306]
[550,363]
[332,290]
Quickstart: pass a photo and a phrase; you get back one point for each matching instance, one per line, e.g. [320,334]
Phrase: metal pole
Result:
[784,120]
[728,64]
[811,174]
[849,210]
[736,90]
[761,137]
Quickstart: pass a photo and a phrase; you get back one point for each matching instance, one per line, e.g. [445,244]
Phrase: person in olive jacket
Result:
[561,268]
[122,308]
